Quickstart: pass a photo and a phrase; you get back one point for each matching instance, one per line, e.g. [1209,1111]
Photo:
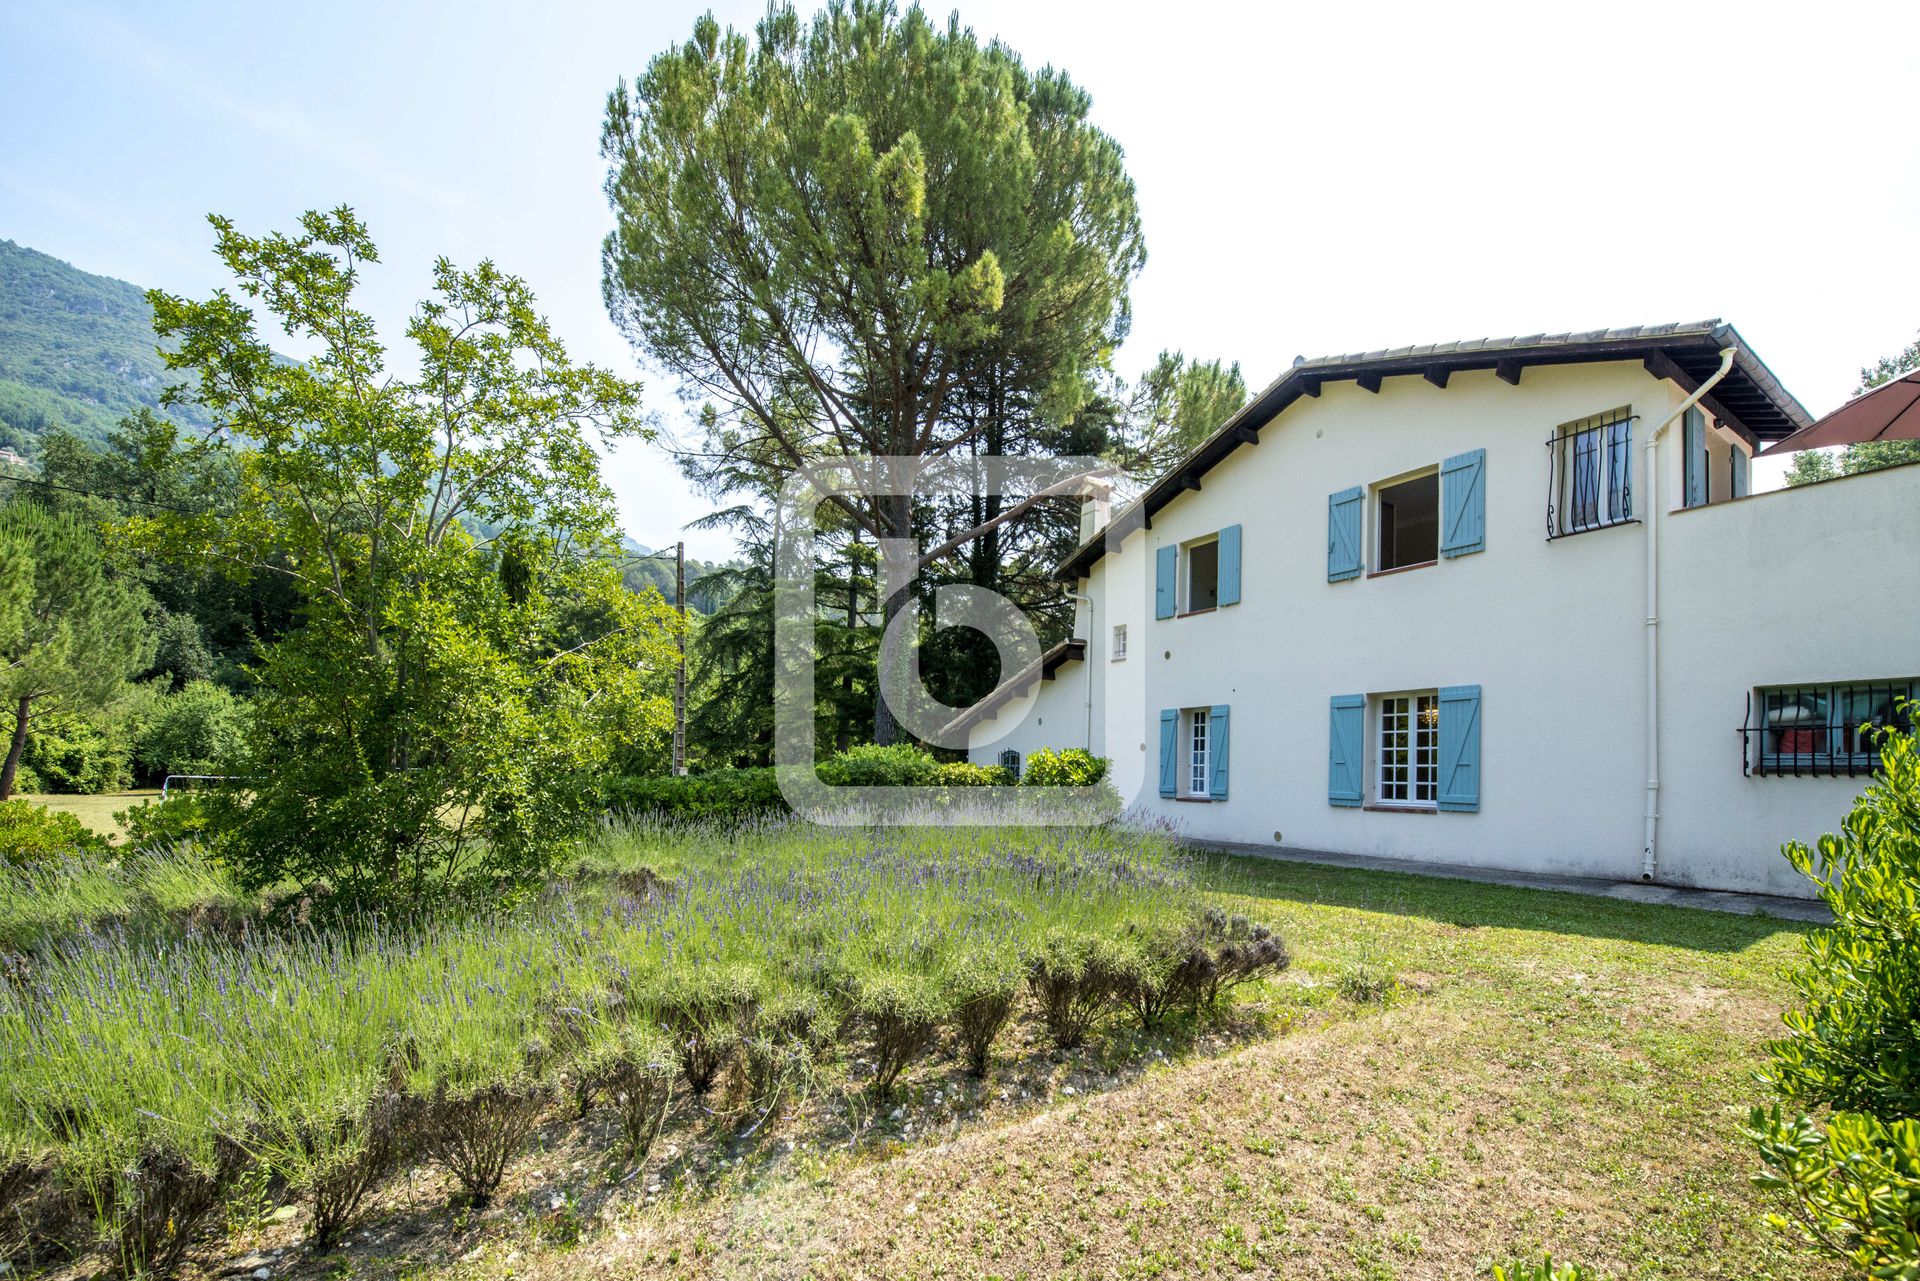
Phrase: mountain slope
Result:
[76,351]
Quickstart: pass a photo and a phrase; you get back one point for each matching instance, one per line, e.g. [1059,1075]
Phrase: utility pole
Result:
[680,676]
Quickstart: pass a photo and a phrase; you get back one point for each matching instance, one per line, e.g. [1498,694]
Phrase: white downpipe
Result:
[1087,662]
[1649,852]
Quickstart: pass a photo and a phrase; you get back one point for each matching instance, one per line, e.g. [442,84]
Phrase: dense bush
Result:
[200,730]
[159,824]
[870,765]
[79,754]
[1853,1048]
[967,774]
[32,833]
[1068,767]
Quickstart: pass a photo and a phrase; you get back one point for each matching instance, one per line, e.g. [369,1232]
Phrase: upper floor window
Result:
[1409,523]
[1202,576]
[1590,474]
[1823,729]
[1197,576]
[1694,491]
[1119,642]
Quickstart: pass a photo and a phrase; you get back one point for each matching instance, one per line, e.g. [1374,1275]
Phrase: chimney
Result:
[1097,510]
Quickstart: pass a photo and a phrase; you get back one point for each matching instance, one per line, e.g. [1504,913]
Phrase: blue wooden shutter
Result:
[1460,748]
[1217,752]
[1463,503]
[1694,442]
[1166,564]
[1343,749]
[1230,565]
[1169,731]
[1742,472]
[1343,534]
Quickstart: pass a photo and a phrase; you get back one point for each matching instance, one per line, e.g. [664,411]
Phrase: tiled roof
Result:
[1750,397]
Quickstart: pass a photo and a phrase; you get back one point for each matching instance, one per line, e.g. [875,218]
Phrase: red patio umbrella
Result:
[1888,412]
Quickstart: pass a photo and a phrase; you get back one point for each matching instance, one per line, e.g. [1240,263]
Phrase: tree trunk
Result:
[897,512]
[844,739]
[19,744]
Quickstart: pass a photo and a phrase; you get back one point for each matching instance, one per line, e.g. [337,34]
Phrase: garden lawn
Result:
[1558,1073]
[97,812]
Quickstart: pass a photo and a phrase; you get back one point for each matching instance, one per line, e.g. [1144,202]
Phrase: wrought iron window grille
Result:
[1590,474]
[1822,730]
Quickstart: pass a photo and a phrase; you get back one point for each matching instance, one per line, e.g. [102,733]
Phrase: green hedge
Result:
[720,793]
[728,793]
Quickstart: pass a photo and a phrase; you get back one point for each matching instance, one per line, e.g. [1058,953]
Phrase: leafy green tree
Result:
[1818,464]
[199,730]
[1811,465]
[208,621]
[436,722]
[70,635]
[1851,1181]
[1176,404]
[866,234]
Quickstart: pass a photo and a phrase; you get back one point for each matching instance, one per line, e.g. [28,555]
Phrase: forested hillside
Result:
[76,351]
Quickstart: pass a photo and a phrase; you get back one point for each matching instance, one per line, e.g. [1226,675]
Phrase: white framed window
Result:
[1407,529]
[1592,465]
[1201,563]
[1407,767]
[1199,759]
[1119,642]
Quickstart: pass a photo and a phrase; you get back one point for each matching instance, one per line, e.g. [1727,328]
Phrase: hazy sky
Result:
[1312,179]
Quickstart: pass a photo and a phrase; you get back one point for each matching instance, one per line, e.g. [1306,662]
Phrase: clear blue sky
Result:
[1312,179]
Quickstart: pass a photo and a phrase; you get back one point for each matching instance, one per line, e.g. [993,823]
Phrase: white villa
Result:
[1505,603]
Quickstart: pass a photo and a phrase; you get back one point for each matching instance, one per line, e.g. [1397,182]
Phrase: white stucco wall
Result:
[1765,590]
[1794,587]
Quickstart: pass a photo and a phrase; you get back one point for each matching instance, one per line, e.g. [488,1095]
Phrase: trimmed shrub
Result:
[1853,1186]
[31,833]
[1076,980]
[977,1020]
[39,1217]
[1068,767]
[161,1201]
[967,774]
[985,983]
[361,1148]
[870,765]
[706,1017]
[900,1014]
[744,793]
[779,1052]
[633,1067]
[475,1132]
